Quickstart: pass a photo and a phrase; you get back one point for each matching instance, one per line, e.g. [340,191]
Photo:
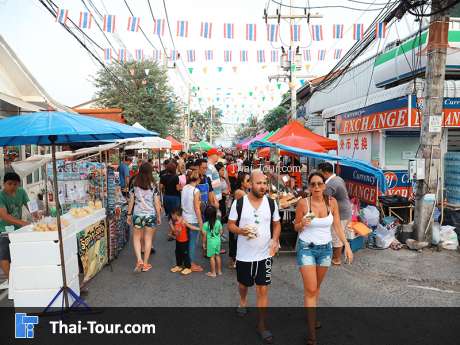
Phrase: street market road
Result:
[377,278]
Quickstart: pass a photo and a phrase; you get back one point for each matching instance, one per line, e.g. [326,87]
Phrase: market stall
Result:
[59,234]
[202,146]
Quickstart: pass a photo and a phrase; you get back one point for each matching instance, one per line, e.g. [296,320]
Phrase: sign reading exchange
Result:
[395,113]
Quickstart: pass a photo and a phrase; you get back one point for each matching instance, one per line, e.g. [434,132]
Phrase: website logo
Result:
[24,325]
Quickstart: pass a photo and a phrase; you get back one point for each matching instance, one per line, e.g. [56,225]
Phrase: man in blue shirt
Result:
[124,175]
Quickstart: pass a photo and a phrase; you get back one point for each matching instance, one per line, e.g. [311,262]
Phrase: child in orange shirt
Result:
[181,232]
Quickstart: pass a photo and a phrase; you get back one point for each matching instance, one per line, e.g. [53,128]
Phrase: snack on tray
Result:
[51,226]
[98,204]
[253,231]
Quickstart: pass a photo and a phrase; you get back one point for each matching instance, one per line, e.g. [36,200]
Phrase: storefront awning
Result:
[19,103]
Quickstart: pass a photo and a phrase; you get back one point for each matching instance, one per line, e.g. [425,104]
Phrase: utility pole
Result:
[187,122]
[431,131]
[210,125]
[292,65]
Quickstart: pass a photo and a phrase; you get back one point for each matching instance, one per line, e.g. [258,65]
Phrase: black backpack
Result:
[239,210]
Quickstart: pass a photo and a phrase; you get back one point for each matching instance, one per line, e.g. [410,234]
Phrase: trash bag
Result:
[449,239]
[384,236]
[371,215]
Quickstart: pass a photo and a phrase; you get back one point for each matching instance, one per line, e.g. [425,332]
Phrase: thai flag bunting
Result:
[109,23]
[206,30]
[139,54]
[291,55]
[261,56]
[133,24]
[209,55]
[174,55]
[295,32]
[380,30]
[358,31]
[108,54]
[337,31]
[229,30]
[182,28]
[62,15]
[306,55]
[85,20]
[156,55]
[159,27]
[274,56]
[191,55]
[337,54]
[272,32]
[317,32]
[244,56]
[251,32]
[122,55]
[228,56]
[321,54]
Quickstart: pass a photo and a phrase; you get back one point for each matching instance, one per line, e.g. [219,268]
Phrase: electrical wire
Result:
[328,6]
[140,28]
[159,36]
[52,9]
[452,4]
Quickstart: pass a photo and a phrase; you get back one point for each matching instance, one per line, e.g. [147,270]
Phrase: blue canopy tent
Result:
[364,166]
[57,128]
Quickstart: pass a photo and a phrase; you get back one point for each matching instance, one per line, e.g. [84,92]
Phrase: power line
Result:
[140,28]
[159,36]
[327,6]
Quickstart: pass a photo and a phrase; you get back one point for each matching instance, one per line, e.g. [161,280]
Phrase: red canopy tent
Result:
[295,128]
[175,145]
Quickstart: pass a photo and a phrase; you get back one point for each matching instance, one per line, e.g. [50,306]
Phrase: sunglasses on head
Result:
[316,184]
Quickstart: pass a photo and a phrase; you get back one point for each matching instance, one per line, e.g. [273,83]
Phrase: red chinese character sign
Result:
[356,146]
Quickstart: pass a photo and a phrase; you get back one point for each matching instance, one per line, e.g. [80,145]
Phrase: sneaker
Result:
[5,285]
[186,271]
[176,269]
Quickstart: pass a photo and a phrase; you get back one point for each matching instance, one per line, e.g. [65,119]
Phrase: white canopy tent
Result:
[148,142]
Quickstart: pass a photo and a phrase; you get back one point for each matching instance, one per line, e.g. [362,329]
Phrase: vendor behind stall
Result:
[12,199]
[124,175]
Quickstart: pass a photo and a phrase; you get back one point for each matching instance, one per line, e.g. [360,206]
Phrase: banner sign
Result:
[364,186]
[397,113]
[357,146]
[92,249]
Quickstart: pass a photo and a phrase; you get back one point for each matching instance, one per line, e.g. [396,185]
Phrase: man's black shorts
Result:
[259,272]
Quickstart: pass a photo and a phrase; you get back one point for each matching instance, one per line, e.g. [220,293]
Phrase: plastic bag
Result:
[371,215]
[384,236]
[449,239]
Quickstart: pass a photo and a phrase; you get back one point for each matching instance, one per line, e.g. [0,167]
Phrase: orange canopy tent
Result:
[175,145]
[295,128]
[294,141]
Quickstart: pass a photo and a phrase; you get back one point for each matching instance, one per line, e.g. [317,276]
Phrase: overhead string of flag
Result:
[230,31]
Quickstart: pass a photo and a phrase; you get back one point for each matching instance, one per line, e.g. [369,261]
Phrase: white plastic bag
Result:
[449,239]
[371,215]
[384,237]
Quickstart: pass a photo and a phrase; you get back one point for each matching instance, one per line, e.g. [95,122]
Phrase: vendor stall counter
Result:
[35,275]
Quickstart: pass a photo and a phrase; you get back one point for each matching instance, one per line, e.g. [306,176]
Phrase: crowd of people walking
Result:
[209,198]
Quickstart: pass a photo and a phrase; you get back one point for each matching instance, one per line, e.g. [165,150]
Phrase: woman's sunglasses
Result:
[316,184]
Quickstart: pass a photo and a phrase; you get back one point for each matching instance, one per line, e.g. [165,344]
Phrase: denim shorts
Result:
[310,254]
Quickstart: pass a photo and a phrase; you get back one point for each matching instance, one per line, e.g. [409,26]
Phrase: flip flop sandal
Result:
[139,266]
[336,263]
[266,336]
[311,342]
[146,267]
[242,311]
[318,325]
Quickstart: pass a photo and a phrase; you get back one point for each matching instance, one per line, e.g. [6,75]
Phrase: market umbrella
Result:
[56,128]
[175,145]
[201,146]
[245,146]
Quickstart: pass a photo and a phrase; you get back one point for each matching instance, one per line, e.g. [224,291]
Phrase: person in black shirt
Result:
[162,172]
[170,187]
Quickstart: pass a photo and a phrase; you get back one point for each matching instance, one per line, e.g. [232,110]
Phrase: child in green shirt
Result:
[212,231]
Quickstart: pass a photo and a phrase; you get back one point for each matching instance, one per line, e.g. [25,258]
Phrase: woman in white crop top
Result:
[313,220]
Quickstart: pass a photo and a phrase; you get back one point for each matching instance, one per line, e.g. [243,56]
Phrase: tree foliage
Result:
[201,124]
[144,97]
[249,129]
[275,118]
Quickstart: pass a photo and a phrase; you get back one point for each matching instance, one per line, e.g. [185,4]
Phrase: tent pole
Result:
[59,228]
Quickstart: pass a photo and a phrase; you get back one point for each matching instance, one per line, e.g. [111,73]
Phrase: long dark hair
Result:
[241,177]
[211,215]
[144,179]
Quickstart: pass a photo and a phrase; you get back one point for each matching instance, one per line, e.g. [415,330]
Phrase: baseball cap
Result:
[214,151]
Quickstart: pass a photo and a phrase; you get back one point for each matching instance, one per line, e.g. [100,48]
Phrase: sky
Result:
[65,69]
